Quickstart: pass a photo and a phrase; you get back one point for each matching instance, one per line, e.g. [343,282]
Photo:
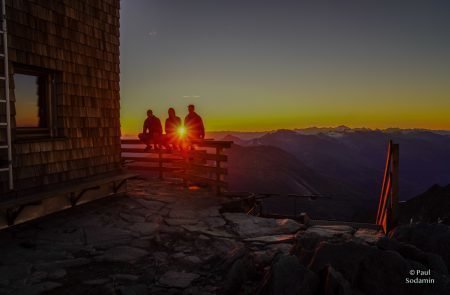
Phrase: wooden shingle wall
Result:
[79,40]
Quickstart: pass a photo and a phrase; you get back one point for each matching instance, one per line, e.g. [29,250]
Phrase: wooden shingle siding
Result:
[79,40]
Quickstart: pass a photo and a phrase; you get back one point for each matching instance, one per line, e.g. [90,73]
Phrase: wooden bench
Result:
[61,196]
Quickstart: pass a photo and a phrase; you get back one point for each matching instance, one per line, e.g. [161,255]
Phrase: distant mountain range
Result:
[340,160]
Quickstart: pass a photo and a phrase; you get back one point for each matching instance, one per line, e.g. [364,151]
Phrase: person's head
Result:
[191,108]
[149,113]
[171,112]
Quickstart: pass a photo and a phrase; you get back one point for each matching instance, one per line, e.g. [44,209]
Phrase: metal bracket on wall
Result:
[74,197]
[13,212]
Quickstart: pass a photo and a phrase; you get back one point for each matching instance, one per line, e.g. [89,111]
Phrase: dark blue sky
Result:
[259,65]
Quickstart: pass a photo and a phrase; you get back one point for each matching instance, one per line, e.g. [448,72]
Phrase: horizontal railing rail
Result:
[204,164]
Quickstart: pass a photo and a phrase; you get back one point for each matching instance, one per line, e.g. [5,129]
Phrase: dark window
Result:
[34,103]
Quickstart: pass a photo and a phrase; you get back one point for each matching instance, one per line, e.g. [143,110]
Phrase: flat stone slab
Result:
[205,230]
[248,226]
[145,228]
[177,279]
[369,236]
[180,221]
[123,254]
[272,239]
[99,236]
[330,231]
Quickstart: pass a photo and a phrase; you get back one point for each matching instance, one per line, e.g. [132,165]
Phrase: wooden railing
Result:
[387,214]
[205,164]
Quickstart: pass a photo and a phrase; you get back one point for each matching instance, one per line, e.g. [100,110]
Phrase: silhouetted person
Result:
[151,131]
[172,127]
[194,124]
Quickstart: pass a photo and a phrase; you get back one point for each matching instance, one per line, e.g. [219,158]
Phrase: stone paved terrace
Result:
[159,239]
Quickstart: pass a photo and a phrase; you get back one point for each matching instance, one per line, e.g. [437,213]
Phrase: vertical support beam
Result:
[218,153]
[395,185]
[160,164]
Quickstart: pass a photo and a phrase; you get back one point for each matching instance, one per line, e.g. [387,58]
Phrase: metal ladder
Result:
[5,100]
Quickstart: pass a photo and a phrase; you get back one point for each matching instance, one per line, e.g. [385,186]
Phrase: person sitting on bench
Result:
[151,131]
[172,128]
[194,124]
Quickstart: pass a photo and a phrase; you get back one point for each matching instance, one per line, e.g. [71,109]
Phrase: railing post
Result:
[395,185]
[218,153]
[160,164]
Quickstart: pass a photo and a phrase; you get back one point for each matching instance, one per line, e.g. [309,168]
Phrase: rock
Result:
[96,282]
[160,256]
[38,288]
[335,283]
[344,257]
[124,277]
[62,264]
[139,289]
[192,260]
[177,279]
[236,276]
[331,231]
[214,221]
[383,273]
[14,272]
[105,236]
[206,231]
[131,218]
[57,274]
[411,252]
[181,213]
[368,235]
[145,228]
[271,239]
[180,221]
[250,226]
[289,276]
[151,206]
[37,276]
[434,238]
[123,254]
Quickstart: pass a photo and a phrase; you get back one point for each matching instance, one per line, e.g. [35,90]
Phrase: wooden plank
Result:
[201,143]
[212,143]
[209,157]
[205,168]
[152,160]
[131,141]
[153,168]
[142,151]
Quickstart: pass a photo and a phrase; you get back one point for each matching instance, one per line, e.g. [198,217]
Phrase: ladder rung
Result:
[4,169]
[3,146]
[2,55]
[3,100]
[3,124]
[2,78]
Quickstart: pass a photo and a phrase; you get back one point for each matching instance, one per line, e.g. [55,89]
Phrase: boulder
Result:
[247,226]
[434,238]
[289,276]
[345,257]
[123,254]
[335,283]
[177,279]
